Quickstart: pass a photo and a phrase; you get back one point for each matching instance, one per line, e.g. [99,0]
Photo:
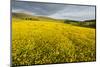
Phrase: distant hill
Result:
[30,17]
[86,23]
[93,20]
[20,15]
[89,23]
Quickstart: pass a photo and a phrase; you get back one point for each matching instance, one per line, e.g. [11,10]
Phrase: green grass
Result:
[87,23]
[46,42]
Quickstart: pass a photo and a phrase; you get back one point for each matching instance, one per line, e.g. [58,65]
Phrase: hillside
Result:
[85,23]
[46,42]
[24,16]
[93,20]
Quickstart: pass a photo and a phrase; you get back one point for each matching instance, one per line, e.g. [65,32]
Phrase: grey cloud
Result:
[39,8]
[59,11]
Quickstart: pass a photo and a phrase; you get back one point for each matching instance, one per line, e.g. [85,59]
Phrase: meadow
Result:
[47,42]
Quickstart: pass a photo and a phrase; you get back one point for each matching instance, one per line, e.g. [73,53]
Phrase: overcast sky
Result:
[58,11]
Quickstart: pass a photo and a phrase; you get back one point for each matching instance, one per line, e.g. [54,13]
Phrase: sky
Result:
[57,11]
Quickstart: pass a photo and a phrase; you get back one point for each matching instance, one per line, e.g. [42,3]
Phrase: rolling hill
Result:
[25,16]
[85,23]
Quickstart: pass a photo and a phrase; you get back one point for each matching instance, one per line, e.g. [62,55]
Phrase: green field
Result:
[46,42]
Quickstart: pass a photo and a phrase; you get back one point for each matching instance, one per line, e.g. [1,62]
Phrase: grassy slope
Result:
[24,16]
[86,23]
[41,42]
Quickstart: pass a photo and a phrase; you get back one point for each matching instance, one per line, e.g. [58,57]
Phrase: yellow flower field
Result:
[46,42]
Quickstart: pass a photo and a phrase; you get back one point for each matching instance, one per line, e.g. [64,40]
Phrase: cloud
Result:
[38,8]
[59,11]
[76,13]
